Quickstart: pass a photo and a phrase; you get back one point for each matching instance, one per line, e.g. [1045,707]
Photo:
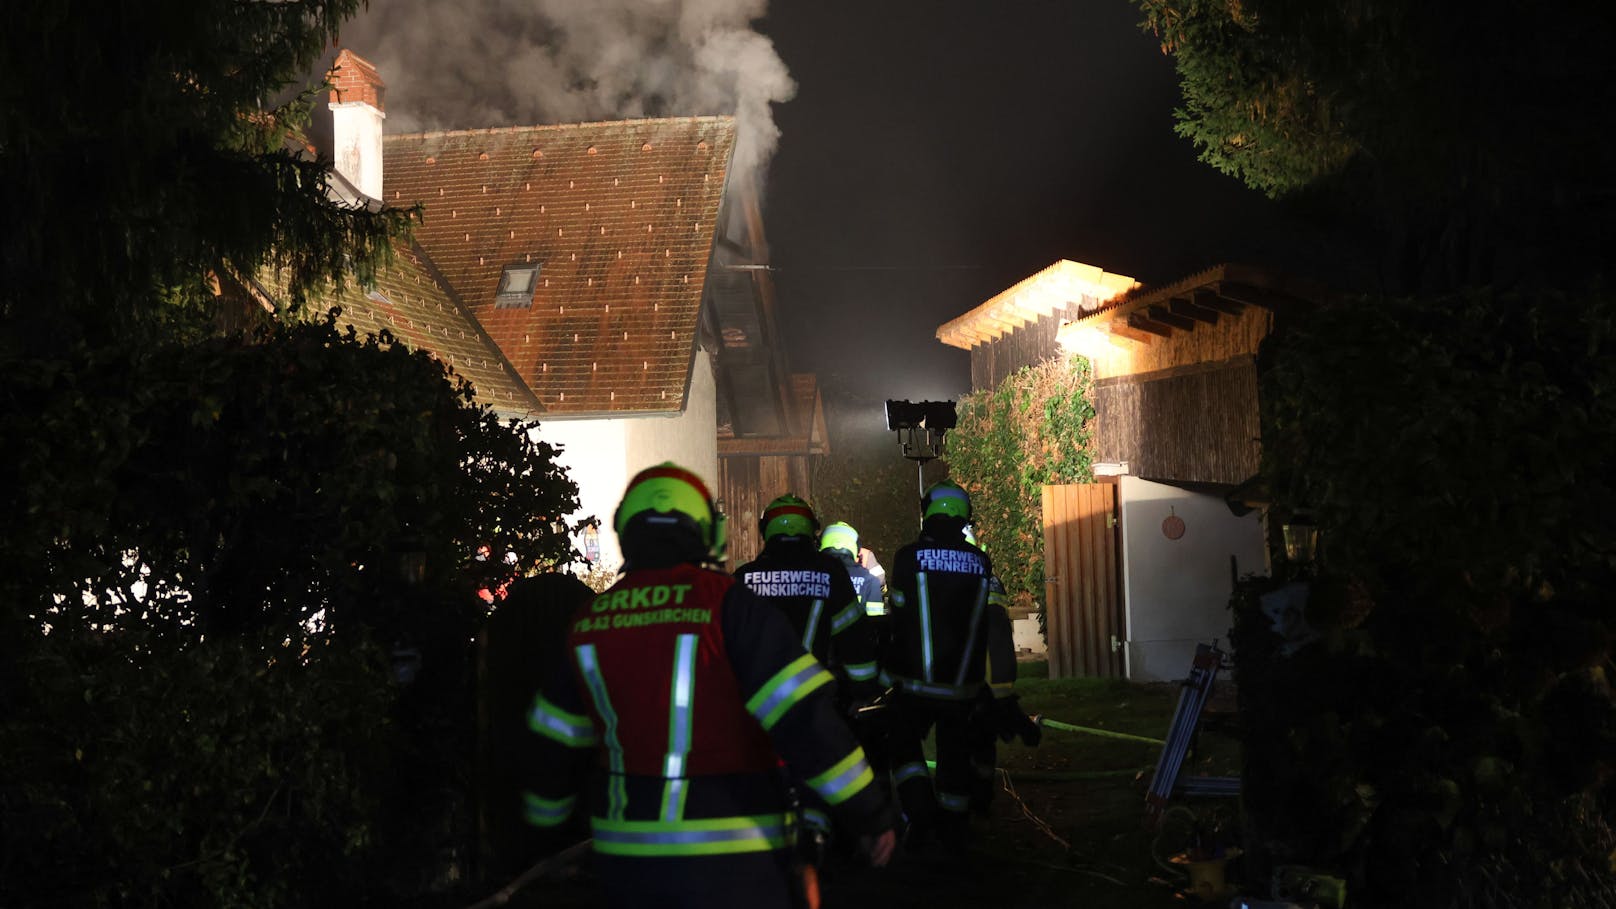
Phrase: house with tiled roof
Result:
[608,279]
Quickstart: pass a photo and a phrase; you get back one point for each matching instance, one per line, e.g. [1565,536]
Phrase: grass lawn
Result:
[1107,860]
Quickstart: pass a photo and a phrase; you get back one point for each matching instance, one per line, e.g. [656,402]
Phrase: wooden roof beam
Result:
[1031,311]
[1124,338]
[975,335]
[1119,330]
[1143,325]
[1209,299]
[1256,296]
[1006,324]
[1189,310]
[1164,316]
[1078,308]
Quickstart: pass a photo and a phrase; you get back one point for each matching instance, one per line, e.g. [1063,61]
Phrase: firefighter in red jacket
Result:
[939,587]
[813,591]
[682,687]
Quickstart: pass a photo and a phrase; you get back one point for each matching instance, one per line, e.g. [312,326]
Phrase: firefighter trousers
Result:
[933,802]
[749,880]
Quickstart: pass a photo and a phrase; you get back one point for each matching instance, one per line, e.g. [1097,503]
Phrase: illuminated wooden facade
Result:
[1018,326]
[1174,366]
[1175,369]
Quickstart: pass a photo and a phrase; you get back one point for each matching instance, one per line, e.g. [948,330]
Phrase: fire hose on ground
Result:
[1068,776]
[880,705]
[1048,723]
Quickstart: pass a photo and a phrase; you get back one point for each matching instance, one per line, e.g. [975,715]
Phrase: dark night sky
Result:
[938,152]
[935,151]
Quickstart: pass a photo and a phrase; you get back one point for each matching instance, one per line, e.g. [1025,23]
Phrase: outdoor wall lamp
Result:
[1301,540]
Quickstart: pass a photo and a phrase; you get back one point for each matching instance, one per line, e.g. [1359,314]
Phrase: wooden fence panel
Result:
[1082,600]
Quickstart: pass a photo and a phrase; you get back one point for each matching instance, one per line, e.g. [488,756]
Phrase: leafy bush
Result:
[1447,739]
[1475,440]
[246,485]
[141,772]
[1031,431]
[256,563]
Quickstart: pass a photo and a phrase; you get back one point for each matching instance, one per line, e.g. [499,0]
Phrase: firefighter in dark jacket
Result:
[682,687]
[842,541]
[813,591]
[939,587]
[997,713]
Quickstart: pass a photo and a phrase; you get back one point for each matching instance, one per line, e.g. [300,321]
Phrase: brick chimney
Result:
[356,121]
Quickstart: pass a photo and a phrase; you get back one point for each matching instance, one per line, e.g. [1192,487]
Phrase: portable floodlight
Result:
[921,427]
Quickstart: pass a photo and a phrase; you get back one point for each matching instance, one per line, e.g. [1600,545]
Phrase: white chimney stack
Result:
[356,122]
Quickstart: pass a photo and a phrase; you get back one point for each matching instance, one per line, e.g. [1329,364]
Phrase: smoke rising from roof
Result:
[480,63]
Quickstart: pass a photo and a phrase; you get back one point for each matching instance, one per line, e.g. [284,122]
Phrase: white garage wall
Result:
[1177,591]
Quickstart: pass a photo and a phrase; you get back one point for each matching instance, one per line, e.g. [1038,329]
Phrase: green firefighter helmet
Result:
[840,535]
[672,496]
[945,497]
[787,516]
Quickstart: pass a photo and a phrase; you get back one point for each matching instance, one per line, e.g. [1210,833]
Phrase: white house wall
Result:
[689,439]
[594,454]
[601,455]
[1177,591]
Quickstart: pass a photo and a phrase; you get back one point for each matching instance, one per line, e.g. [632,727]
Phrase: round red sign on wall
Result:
[1172,527]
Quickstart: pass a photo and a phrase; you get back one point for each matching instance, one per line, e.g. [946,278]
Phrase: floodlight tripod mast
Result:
[921,427]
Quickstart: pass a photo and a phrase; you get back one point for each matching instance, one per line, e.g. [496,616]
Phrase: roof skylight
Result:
[516,286]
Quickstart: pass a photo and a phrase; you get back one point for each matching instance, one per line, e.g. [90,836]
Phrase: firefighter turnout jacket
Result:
[1001,647]
[813,591]
[936,658]
[940,590]
[866,586]
[683,686]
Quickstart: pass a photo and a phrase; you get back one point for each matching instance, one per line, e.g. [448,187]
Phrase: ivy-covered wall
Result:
[1031,431]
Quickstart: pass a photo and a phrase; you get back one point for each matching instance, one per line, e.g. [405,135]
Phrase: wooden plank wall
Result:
[1195,424]
[1028,345]
[1083,597]
[747,483]
[738,496]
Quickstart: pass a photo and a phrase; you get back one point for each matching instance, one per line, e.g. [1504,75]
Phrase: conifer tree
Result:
[148,147]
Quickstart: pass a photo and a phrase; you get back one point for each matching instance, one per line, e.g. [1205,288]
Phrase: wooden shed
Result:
[1138,565]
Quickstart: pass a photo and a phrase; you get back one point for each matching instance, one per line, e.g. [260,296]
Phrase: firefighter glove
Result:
[1012,723]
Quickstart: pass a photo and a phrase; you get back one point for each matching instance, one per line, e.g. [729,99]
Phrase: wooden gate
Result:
[1082,598]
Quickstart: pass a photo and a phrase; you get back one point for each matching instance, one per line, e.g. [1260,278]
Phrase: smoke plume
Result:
[478,63]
